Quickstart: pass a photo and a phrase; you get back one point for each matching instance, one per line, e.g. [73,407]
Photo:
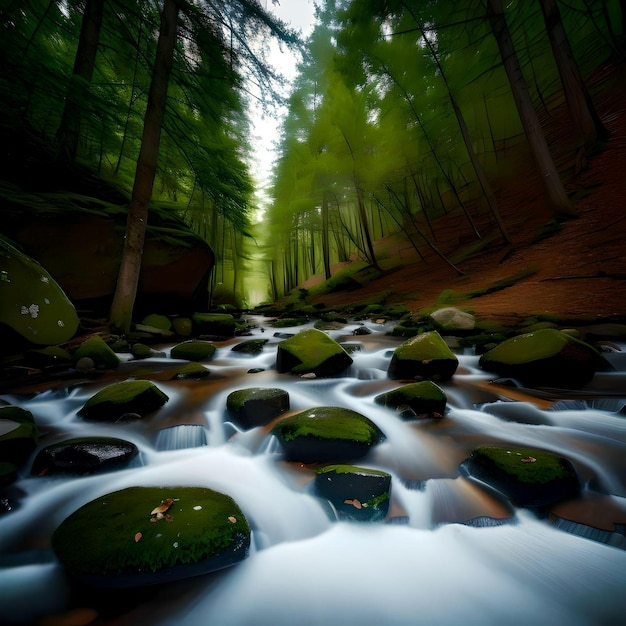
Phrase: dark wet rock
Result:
[283,335]
[192,371]
[425,356]
[425,399]
[528,477]
[86,455]
[214,324]
[312,351]
[148,535]
[193,350]
[181,437]
[96,349]
[156,320]
[142,351]
[255,370]
[351,347]
[252,346]
[256,406]
[139,397]
[34,309]
[546,358]
[326,434]
[8,474]
[356,493]
[286,322]
[85,364]
[19,434]
[362,330]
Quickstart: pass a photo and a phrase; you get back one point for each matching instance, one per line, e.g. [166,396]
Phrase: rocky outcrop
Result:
[547,358]
[148,535]
[425,356]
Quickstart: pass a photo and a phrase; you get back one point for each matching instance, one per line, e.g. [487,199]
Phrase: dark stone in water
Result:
[425,399]
[425,356]
[326,434]
[362,330]
[528,477]
[255,406]
[149,535]
[356,493]
[253,346]
[88,455]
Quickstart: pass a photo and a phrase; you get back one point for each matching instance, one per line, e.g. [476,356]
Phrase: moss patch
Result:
[193,350]
[96,349]
[425,398]
[114,535]
[423,356]
[217,324]
[256,406]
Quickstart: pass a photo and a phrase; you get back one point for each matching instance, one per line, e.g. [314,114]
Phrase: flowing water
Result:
[449,552]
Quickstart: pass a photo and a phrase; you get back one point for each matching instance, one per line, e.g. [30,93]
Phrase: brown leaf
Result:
[356,504]
[529,459]
[232,519]
[138,536]
[165,504]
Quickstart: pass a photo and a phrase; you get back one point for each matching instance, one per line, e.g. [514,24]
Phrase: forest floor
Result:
[572,269]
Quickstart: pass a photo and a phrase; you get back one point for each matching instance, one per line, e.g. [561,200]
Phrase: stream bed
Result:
[450,550]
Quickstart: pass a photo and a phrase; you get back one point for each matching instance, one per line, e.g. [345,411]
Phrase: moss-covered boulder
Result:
[147,535]
[453,320]
[311,351]
[48,356]
[256,406]
[33,307]
[156,320]
[425,399]
[84,456]
[251,346]
[527,476]
[192,371]
[425,356]
[19,434]
[183,326]
[96,349]
[356,493]
[143,351]
[326,435]
[547,358]
[214,324]
[193,350]
[139,397]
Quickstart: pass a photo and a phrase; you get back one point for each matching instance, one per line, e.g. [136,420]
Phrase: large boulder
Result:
[453,320]
[326,434]
[214,324]
[526,476]
[135,398]
[147,535]
[356,493]
[425,399]
[82,249]
[425,356]
[34,310]
[98,351]
[312,351]
[193,350]
[546,357]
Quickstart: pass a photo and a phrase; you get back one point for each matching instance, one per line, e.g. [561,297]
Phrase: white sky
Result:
[265,130]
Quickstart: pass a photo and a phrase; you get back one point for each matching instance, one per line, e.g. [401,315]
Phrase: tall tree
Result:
[130,266]
[528,116]
[579,102]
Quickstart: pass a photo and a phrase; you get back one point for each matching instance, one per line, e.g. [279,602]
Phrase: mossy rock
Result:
[193,350]
[452,320]
[402,330]
[143,351]
[19,434]
[155,320]
[286,322]
[32,304]
[356,493]
[127,397]
[116,541]
[48,356]
[311,351]
[424,398]
[251,346]
[547,358]
[527,476]
[183,326]
[326,434]
[96,349]
[256,406]
[192,371]
[214,324]
[425,356]
[84,456]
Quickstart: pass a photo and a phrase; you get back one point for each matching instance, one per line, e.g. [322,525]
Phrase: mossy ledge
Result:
[113,541]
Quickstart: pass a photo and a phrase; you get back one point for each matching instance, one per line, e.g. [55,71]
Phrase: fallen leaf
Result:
[138,536]
[232,519]
[529,459]
[165,504]
[356,504]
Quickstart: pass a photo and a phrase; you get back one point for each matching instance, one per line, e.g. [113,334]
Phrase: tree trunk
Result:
[534,134]
[128,277]
[68,132]
[579,103]
[325,244]
[366,229]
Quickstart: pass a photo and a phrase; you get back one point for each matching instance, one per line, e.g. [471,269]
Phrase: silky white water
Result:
[450,551]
